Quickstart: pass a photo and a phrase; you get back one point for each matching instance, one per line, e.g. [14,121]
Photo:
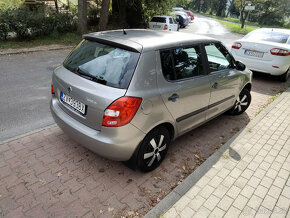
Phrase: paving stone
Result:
[181,203]
[187,212]
[261,191]
[233,212]
[274,191]
[240,202]
[202,212]
[225,203]
[247,191]
[211,202]
[196,202]
[269,202]
[216,213]
[254,202]
[171,213]
[206,191]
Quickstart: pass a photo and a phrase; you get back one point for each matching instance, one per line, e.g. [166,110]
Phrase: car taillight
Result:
[52,90]
[165,27]
[183,21]
[148,26]
[279,52]
[237,45]
[121,111]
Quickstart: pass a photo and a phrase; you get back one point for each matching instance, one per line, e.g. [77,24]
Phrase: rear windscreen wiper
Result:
[97,79]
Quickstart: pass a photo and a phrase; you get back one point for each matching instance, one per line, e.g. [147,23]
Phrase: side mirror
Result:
[240,66]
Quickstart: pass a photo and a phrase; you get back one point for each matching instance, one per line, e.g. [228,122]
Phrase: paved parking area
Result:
[47,174]
[248,177]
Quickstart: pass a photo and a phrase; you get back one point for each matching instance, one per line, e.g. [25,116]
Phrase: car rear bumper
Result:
[264,66]
[116,143]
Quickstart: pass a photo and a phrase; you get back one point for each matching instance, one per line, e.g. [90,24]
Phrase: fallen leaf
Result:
[59,174]
[110,209]
[129,180]
[131,213]
[101,170]
[101,211]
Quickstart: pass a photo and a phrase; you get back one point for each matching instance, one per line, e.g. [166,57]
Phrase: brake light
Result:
[279,52]
[165,27]
[236,45]
[52,90]
[183,21]
[121,111]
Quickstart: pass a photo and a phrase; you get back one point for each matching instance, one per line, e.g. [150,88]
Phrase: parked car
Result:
[265,50]
[127,95]
[190,14]
[184,15]
[181,20]
[163,23]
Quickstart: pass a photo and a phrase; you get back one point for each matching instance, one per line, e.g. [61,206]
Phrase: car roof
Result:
[161,16]
[147,40]
[273,30]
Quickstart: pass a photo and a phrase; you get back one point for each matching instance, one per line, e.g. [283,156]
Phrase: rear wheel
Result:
[242,103]
[153,149]
[284,77]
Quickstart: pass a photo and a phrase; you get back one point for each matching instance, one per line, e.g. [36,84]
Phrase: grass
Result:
[236,28]
[64,39]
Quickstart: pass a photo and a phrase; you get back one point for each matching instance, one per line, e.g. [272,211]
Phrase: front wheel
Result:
[242,103]
[153,149]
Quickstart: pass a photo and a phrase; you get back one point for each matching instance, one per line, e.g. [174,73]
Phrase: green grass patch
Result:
[236,28]
[64,39]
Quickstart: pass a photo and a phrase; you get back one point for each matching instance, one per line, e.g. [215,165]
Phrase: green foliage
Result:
[236,28]
[34,23]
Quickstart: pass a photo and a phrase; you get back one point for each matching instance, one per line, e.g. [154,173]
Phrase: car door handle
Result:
[173,97]
[215,85]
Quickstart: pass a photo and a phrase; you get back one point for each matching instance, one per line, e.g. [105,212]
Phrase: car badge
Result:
[69,89]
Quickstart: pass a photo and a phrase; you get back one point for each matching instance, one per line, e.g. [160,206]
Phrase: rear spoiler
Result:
[116,42]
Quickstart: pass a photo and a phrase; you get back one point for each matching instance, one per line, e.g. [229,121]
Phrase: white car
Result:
[265,50]
[163,23]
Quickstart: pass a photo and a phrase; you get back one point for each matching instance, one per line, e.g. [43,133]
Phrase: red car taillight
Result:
[183,21]
[52,90]
[279,52]
[165,27]
[121,111]
[236,45]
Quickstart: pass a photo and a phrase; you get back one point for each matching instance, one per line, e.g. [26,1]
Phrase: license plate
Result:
[75,104]
[156,26]
[254,53]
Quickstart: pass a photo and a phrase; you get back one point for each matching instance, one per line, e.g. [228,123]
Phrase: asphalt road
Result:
[25,91]
[25,82]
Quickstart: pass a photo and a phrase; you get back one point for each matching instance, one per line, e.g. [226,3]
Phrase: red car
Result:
[190,14]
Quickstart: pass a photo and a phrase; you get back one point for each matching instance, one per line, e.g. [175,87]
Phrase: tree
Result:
[82,16]
[104,15]
[241,4]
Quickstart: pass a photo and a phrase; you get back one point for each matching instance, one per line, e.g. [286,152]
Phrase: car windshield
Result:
[158,19]
[106,64]
[268,36]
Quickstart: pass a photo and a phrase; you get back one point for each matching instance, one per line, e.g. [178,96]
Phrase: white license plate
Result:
[254,53]
[156,26]
[75,104]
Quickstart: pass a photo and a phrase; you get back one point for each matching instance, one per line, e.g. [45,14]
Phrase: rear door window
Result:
[158,19]
[170,20]
[105,64]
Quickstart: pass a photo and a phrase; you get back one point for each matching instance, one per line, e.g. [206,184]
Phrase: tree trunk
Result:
[244,15]
[231,4]
[56,5]
[104,15]
[82,16]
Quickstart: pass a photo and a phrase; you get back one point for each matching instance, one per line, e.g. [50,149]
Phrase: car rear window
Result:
[106,64]
[268,36]
[158,19]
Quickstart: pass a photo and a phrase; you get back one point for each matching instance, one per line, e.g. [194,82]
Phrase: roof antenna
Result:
[124,32]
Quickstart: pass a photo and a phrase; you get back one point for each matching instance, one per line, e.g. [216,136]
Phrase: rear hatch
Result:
[91,78]
[157,23]
[259,50]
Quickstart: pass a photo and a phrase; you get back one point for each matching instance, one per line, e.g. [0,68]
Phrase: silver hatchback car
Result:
[127,95]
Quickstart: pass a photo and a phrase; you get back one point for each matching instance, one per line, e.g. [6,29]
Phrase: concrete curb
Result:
[166,203]
[35,50]
[28,133]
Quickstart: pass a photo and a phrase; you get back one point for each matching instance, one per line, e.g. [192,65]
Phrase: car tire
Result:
[284,77]
[153,149]
[242,103]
